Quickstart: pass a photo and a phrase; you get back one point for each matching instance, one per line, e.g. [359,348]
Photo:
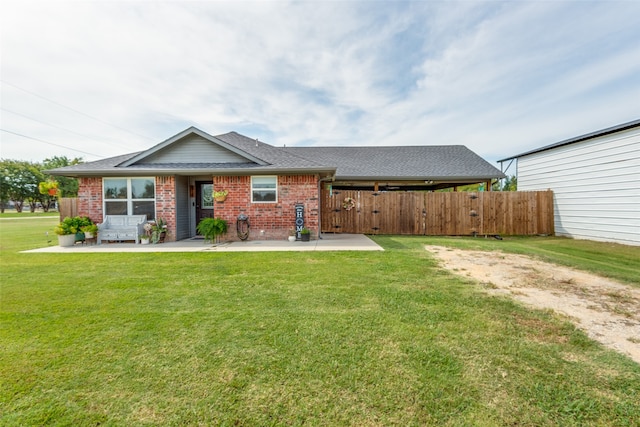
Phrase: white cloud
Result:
[497,77]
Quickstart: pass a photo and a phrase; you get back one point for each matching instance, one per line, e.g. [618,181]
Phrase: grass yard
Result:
[295,338]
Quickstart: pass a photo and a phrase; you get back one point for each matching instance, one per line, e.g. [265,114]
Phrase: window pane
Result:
[264,196]
[115,189]
[115,208]
[207,196]
[142,188]
[144,208]
[264,182]
[263,188]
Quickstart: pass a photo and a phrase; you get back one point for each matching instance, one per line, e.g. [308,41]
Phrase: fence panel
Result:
[439,214]
[405,215]
[366,212]
[68,207]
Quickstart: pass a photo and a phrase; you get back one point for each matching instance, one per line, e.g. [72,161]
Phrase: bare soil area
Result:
[608,311]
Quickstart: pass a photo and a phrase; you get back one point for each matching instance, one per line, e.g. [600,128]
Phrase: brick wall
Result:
[166,205]
[90,198]
[268,220]
[90,201]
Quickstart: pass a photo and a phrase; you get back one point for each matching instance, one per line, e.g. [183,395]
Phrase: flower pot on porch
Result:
[66,240]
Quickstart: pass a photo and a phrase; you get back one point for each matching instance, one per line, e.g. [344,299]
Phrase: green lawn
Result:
[304,338]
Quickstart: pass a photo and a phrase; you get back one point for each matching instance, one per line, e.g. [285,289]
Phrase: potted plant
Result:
[89,231]
[305,234]
[66,233]
[292,235]
[69,230]
[212,228]
[148,231]
[80,222]
[220,196]
[144,239]
[158,231]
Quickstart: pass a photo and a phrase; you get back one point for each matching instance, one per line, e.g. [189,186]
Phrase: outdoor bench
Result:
[121,227]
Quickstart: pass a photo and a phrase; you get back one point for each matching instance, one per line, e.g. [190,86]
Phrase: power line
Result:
[76,111]
[56,126]
[50,143]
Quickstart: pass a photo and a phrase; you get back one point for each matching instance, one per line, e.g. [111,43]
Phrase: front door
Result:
[204,200]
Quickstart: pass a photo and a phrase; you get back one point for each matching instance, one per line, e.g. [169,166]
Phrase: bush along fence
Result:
[438,214]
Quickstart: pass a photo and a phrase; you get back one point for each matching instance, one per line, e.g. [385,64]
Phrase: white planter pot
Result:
[88,235]
[292,238]
[144,241]
[67,240]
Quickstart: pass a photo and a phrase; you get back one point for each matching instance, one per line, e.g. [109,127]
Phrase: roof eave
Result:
[272,171]
[419,178]
[192,172]
[587,136]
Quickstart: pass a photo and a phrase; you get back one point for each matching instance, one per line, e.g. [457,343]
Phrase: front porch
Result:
[328,242]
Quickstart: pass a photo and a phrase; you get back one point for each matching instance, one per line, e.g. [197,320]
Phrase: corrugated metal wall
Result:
[596,186]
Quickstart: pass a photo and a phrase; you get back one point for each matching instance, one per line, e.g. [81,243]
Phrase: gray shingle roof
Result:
[103,164]
[404,162]
[443,162]
[269,153]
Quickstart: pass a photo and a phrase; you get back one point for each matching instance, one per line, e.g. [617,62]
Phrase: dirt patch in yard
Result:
[608,311]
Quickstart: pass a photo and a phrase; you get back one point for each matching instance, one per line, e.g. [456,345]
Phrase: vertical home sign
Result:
[299,220]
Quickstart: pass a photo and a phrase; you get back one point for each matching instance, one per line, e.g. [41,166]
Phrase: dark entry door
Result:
[204,200]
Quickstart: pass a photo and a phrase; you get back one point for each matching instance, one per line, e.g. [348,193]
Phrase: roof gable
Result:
[193,146]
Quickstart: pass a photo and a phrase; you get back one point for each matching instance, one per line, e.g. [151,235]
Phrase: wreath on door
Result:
[348,204]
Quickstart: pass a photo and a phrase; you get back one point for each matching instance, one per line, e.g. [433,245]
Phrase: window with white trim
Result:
[129,196]
[264,189]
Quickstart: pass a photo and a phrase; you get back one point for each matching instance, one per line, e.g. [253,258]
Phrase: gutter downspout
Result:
[320,181]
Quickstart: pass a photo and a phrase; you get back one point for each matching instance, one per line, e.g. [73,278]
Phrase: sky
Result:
[99,79]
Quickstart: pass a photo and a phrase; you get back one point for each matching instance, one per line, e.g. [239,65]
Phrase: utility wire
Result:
[50,143]
[75,111]
[58,127]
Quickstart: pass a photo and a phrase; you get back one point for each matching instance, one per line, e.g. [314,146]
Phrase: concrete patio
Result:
[329,242]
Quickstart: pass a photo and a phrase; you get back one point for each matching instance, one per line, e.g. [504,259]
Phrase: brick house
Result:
[176,180]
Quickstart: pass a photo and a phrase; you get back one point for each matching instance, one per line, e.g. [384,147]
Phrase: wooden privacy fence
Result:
[68,207]
[438,214]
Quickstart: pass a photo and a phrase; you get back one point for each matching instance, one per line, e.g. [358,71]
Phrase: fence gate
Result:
[438,214]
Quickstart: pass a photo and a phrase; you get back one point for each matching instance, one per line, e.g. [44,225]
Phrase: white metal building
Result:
[595,179]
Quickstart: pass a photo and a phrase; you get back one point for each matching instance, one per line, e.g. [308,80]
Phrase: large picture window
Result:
[130,196]
[264,189]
